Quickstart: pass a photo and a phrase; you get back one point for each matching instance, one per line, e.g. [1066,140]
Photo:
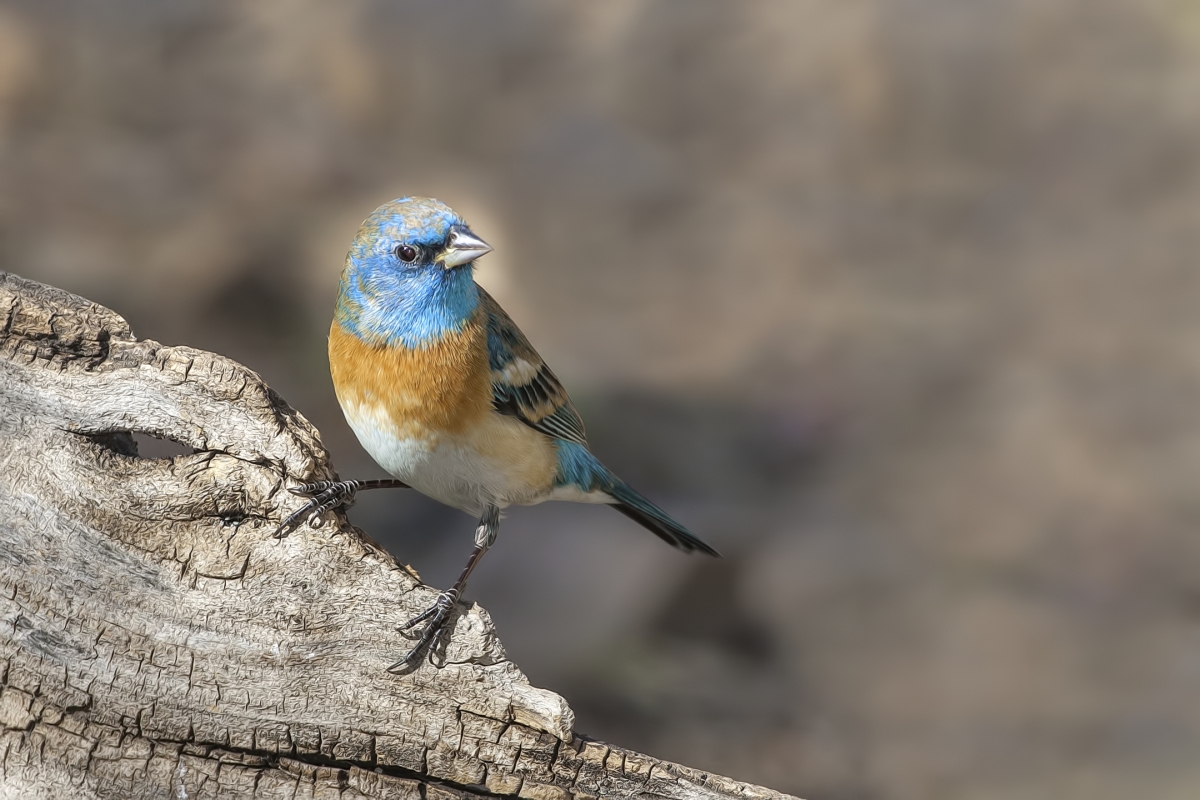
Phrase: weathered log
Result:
[157,641]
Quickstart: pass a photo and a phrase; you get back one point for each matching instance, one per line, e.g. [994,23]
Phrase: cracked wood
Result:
[156,641]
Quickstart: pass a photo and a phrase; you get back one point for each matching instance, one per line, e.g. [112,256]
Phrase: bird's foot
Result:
[435,618]
[323,496]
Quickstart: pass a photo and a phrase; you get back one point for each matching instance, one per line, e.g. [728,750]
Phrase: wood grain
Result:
[156,641]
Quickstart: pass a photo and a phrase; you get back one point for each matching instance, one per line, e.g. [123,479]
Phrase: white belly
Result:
[500,461]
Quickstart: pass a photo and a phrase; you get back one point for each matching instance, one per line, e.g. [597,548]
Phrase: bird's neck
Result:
[385,306]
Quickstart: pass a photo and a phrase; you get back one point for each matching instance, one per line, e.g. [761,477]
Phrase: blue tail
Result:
[655,520]
[578,467]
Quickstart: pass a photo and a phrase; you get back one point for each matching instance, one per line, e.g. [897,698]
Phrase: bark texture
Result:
[156,641]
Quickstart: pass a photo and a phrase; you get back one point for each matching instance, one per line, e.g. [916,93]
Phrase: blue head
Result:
[408,277]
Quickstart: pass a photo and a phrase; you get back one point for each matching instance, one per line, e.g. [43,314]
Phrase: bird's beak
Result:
[462,247]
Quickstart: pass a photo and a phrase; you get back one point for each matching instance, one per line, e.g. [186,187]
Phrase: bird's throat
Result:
[385,306]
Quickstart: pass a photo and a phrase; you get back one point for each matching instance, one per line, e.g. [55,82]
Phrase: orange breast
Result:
[444,386]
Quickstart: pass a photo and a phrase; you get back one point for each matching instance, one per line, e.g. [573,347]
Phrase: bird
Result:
[448,396]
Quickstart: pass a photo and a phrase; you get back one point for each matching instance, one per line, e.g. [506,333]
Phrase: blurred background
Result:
[893,301]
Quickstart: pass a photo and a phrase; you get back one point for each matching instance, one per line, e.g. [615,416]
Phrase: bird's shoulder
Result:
[522,385]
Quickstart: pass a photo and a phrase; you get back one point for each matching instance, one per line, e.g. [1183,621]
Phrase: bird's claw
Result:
[324,496]
[436,614]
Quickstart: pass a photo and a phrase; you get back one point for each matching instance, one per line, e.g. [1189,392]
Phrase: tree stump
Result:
[156,640]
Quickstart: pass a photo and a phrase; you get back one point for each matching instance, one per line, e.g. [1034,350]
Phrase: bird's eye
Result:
[407,253]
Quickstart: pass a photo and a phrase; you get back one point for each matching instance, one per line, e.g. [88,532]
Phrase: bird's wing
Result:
[522,385]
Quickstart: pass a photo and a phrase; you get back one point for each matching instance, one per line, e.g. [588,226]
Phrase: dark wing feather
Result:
[522,385]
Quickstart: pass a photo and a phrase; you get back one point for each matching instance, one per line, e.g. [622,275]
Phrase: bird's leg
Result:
[325,495]
[436,614]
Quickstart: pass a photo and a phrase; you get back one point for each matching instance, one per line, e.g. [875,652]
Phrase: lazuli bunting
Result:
[446,393]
